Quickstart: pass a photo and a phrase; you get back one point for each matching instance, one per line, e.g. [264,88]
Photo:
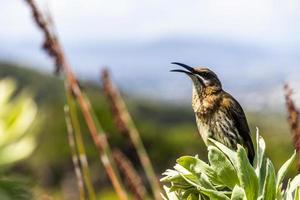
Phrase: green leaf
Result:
[247,176]
[197,166]
[286,194]
[295,183]
[193,196]
[260,161]
[297,194]
[262,176]
[17,114]
[191,191]
[18,119]
[269,190]
[17,150]
[228,152]
[212,194]
[203,181]
[283,170]
[260,152]
[223,167]
[170,195]
[238,193]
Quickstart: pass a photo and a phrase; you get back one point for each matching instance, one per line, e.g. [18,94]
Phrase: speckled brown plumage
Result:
[218,114]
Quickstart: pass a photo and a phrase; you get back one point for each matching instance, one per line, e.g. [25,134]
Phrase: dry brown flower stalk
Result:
[132,178]
[293,119]
[52,46]
[126,126]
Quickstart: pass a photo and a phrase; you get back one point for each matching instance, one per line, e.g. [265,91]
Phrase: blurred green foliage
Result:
[17,114]
[168,130]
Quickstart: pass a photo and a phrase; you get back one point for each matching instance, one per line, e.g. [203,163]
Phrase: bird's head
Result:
[203,79]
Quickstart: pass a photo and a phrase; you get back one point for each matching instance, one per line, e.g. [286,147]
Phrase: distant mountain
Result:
[255,74]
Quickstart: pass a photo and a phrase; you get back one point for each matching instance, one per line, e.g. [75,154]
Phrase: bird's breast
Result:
[203,128]
[204,104]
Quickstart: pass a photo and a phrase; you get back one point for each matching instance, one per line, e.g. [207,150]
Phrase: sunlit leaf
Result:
[297,194]
[238,193]
[17,113]
[294,184]
[283,170]
[260,152]
[223,167]
[228,152]
[19,119]
[246,174]
[17,150]
[197,166]
[170,195]
[212,194]
[269,189]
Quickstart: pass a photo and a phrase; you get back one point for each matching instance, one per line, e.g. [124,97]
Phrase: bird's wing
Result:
[235,110]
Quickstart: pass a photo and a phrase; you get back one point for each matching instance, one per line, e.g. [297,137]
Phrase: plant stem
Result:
[75,156]
[131,176]
[80,146]
[52,46]
[126,125]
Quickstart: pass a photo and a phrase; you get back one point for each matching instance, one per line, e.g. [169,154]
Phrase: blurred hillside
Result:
[168,129]
[239,65]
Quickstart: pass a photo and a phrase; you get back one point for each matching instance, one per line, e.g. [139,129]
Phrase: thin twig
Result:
[54,49]
[132,178]
[75,159]
[126,125]
[293,119]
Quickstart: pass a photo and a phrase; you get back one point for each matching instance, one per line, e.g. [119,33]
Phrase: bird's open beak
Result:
[189,72]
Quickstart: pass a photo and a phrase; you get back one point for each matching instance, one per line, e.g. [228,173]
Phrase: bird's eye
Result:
[205,78]
[206,75]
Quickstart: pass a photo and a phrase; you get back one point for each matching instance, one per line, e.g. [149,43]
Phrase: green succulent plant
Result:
[230,176]
[17,114]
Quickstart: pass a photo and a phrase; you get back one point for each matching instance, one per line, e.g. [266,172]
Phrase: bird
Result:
[218,114]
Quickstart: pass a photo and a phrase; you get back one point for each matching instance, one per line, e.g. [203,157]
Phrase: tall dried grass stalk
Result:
[75,157]
[52,46]
[78,139]
[126,125]
[132,178]
[293,119]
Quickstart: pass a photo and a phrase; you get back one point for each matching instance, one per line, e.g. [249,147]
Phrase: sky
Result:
[89,20]
[247,42]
